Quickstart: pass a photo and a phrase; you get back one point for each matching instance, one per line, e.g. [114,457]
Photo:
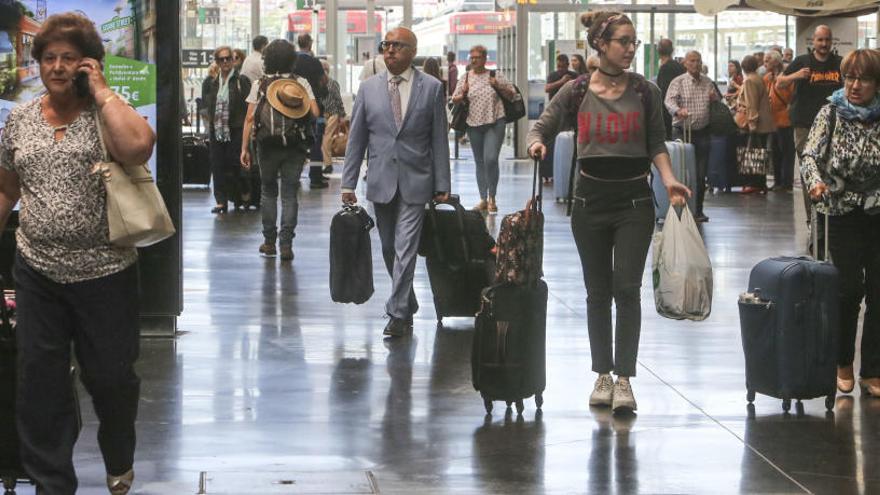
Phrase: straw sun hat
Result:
[289,97]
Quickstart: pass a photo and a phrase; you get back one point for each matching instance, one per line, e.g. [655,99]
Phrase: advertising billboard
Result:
[127,28]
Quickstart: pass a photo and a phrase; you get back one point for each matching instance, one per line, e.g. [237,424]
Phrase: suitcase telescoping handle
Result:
[814,230]
[6,331]
[454,201]
[536,203]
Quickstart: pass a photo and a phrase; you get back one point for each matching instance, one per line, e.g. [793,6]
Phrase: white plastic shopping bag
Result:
[682,270]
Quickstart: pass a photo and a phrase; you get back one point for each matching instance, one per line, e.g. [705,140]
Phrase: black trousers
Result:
[230,181]
[316,156]
[854,241]
[783,157]
[100,318]
[612,225]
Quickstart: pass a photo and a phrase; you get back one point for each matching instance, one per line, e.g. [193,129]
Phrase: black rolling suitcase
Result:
[351,257]
[789,321]
[196,159]
[11,471]
[508,358]
[458,254]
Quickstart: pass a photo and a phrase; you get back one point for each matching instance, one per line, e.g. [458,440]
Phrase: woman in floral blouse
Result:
[485,121]
[841,168]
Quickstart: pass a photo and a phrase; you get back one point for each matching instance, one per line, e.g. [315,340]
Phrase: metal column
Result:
[331,31]
[407,13]
[522,74]
[255,19]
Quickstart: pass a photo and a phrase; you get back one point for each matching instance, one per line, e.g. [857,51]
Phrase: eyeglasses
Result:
[625,42]
[852,79]
[394,45]
[224,59]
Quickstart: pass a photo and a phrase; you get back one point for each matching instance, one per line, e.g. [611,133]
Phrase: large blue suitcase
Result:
[684,166]
[563,155]
[789,321]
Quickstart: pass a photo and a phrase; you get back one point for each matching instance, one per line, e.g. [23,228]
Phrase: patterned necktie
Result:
[394,91]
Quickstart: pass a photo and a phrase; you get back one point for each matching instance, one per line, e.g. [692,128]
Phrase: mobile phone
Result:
[492,73]
[81,84]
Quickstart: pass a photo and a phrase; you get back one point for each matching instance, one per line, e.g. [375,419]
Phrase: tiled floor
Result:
[272,388]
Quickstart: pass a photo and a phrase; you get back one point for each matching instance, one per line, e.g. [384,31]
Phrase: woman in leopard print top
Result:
[72,286]
[841,169]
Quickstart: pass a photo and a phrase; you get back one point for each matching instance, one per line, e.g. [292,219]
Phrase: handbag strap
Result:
[100,123]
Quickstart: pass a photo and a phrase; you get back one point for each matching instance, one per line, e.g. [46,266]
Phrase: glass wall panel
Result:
[868,31]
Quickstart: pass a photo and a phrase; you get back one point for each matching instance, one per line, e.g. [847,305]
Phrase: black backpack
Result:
[275,128]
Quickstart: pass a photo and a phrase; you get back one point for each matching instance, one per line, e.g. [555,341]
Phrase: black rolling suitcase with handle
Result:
[458,254]
[351,256]
[789,320]
[196,159]
[11,471]
[508,360]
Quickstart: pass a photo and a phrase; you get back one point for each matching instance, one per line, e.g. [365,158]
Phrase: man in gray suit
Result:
[399,119]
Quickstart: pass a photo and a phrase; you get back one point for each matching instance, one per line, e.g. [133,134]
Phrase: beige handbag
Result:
[136,212]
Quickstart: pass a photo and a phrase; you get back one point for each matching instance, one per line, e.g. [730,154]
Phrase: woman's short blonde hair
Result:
[863,63]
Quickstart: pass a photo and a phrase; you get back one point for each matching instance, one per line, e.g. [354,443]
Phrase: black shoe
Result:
[219,209]
[397,327]
[327,170]
[701,218]
[286,253]
[319,185]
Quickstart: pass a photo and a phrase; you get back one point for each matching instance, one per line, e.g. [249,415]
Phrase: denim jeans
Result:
[486,143]
[100,317]
[854,241]
[286,163]
[612,223]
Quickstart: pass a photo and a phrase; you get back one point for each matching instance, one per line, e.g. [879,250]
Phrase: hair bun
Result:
[588,18]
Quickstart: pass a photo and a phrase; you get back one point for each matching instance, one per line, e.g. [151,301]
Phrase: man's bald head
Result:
[400,49]
[822,29]
[406,34]
[822,41]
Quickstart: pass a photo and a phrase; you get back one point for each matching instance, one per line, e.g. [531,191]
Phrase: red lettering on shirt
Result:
[609,128]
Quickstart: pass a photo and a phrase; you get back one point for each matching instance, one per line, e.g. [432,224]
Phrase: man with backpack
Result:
[280,118]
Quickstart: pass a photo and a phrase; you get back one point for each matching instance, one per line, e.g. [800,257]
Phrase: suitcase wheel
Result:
[488,405]
[829,402]
[750,396]
[786,405]
[539,401]
[520,407]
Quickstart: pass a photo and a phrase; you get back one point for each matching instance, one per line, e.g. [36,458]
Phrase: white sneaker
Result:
[602,391]
[623,395]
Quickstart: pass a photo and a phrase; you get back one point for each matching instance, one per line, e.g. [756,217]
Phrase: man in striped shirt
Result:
[688,101]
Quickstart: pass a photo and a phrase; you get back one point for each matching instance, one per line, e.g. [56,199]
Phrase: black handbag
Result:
[459,113]
[351,258]
[513,109]
[721,121]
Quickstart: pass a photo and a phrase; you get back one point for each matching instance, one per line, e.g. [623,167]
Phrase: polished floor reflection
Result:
[272,388]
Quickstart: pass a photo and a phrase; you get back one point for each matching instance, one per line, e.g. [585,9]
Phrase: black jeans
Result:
[230,181]
[701,140]
[854,241]
[316,168]
[783,157]
[612,223]
[100,318]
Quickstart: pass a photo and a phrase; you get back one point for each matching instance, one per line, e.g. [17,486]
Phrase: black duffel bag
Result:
[513,109]
[351,258]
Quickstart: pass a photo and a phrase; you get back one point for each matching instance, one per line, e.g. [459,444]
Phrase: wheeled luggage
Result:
[196,161]
[717,169]
[563,161]
[351,257]
[11,471]
[458,254]
[684,166]
[508,357]
[789,321]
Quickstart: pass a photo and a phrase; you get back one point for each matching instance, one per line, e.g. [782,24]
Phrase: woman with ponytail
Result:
[619,120]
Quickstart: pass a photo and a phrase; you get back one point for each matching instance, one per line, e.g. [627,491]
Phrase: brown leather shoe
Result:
[846,381]
[120,485]
[493,208]
[870,386]
[267,249]
[482,205]
[286,253]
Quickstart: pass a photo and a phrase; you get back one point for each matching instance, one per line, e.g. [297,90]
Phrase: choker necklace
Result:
[612,75]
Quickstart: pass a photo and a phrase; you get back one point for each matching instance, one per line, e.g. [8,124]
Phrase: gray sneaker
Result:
[623,395]
[602,391]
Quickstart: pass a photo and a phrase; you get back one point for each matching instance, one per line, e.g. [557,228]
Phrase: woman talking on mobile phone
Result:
[71,285]
[619,120]
[485,121]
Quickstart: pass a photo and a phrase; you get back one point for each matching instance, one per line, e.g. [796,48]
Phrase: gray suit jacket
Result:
[413,160]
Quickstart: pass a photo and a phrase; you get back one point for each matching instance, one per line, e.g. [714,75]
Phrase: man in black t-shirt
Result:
[815,75]
[555,81]
[669,70]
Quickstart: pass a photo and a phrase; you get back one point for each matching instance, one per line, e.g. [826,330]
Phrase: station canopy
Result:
[802,8]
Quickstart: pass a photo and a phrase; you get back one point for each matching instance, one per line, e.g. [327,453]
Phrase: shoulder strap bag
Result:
[136,212]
